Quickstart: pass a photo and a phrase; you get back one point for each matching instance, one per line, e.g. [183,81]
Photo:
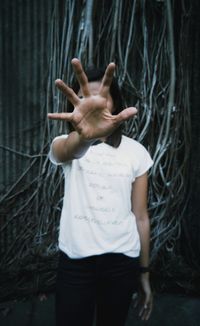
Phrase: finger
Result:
[143,312]
[60,116]
[147,309]
[66,90]
[143,306]
[126,114]
[107,79]
[135,300]
[81,77]
[148,314]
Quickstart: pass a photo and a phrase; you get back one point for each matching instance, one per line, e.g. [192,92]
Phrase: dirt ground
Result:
[169,310]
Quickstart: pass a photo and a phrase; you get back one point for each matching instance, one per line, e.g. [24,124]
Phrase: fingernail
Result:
[57,81]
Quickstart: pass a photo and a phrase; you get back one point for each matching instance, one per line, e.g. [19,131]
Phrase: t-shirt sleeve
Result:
[145,162]
[51,155]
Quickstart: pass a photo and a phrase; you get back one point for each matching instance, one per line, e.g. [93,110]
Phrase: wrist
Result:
[144,269]
[86,141]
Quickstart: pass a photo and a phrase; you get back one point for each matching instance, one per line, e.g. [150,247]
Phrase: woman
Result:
[104,228]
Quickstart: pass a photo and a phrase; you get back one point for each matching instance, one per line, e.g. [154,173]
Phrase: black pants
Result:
[106,281]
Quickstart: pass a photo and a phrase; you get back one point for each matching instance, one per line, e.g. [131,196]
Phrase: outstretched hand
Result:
[92,117]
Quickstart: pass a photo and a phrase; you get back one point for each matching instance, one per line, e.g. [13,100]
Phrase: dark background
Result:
[24,69]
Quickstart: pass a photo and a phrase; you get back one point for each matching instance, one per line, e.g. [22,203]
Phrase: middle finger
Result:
[81,76]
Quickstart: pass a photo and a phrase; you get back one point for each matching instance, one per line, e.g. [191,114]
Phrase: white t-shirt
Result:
[96,215]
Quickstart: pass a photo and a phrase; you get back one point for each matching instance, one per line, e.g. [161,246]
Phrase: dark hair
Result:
[96,74]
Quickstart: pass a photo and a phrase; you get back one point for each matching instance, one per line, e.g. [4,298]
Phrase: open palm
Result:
[92,117]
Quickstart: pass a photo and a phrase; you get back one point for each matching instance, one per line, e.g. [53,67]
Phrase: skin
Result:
[139,208]
[92,119]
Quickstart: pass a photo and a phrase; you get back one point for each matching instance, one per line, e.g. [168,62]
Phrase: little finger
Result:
[126,114]
[81,77]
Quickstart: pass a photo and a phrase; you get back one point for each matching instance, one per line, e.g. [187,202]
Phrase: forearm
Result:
[73,147]
[143,226]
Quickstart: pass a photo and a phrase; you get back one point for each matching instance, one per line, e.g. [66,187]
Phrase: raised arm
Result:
[91,117]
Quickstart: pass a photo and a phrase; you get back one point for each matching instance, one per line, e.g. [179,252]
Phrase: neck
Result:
[103,139]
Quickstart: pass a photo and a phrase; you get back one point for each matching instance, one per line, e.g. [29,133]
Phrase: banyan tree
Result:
[155,45]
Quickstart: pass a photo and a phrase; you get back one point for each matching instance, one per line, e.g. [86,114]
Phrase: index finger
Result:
[107,79]
[66,90]
[81,77]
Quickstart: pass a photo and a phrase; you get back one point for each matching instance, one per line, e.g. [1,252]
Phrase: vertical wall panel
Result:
[24,27]
[23,56]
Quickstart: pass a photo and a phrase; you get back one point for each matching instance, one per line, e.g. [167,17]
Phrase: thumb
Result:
[60,116]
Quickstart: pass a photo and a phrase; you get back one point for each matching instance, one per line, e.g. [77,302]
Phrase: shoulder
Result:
[129,143]
[138,154]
